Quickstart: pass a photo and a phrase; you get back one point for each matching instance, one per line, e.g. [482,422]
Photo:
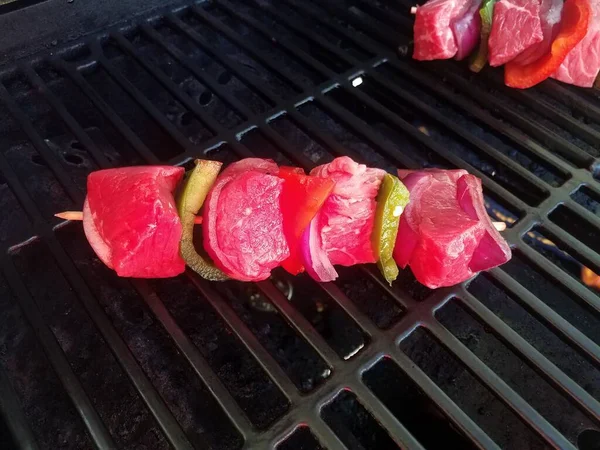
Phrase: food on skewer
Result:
[550,13]
[573,27]
[341,232]
[434,33]
[486,14]
[192,197]
[535,39]
[243,220]
[302,198]
[257,216]
[392,199]
[582,64]
[515,28]
[445,234]
[131,221]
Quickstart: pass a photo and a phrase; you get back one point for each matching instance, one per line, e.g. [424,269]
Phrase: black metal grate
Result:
[509,360]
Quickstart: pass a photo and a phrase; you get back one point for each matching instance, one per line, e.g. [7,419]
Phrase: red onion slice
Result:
[313,256]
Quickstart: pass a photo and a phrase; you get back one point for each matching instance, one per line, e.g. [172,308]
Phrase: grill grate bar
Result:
[458,417]
[433,84]
[298,53]
[397,431]
[431,112]
[122,353]
[502,390]
[239,328]
[148,393]
[554,272]
[542,311]
[542,107]
[322,100]
[39,144]
[136,95]
[546,368]
[300,324]
[586,254]
[577,102]
[478,113]
[12,413]
[234,37]
[69,120]
[170,86]
[98,432]
[197,361]
[307,407]
[542,133]
[204,78]
[350,308]
[106,111]
[256,87]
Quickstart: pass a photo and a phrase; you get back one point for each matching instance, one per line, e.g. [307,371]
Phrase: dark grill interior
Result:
[508,360]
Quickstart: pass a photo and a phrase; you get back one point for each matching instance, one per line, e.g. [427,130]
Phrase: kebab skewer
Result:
[256,216]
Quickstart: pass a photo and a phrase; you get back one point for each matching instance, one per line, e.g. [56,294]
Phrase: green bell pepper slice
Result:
[392,198]
[191,199]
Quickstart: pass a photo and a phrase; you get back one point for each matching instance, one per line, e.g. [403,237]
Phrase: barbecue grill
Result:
[507,360]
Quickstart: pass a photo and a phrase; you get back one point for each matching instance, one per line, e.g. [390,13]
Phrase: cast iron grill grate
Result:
[508,360]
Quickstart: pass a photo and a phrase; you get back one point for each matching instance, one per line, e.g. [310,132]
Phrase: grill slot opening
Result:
[499,422]
[412,407]
[260,146]
[524,320]
[508,366]
[354,425]
[303,439]
[587,198]
[578,227]
[569,259]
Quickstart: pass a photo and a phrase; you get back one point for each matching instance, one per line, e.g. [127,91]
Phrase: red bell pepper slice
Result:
[573,28]
[301,198]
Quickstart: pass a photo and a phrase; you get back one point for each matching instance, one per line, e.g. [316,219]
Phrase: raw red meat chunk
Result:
[345,222]
[243,222]
[433,29]
[445,234]
[516,26]
[550,12]
[582,64]
[131,221]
